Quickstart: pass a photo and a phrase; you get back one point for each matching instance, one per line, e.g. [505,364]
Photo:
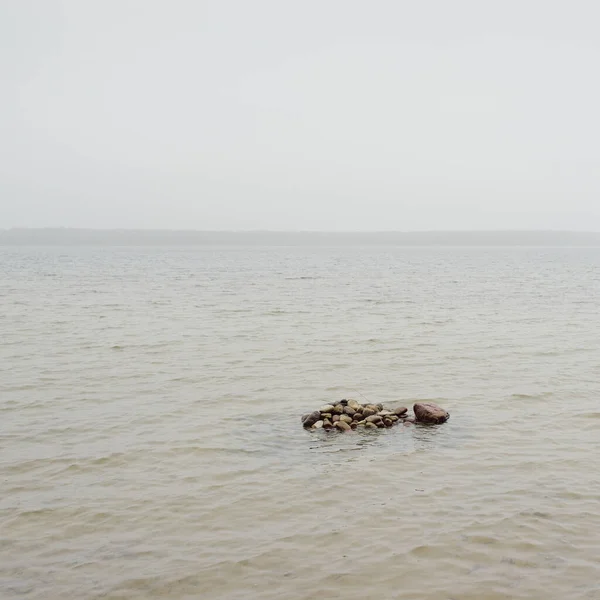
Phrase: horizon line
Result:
[298,231]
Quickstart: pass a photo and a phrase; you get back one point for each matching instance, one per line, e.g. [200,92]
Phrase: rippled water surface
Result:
[151,447]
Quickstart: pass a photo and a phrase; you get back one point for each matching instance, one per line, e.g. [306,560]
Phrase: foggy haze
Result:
[329,116]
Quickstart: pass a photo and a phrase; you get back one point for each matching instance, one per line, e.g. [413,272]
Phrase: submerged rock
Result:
[428,412]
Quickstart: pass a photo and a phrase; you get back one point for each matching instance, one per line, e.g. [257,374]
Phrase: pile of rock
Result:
[350,414]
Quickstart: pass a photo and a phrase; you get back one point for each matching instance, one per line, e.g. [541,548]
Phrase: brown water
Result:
[151,445]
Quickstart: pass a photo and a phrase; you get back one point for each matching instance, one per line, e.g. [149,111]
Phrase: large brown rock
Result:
[428,412]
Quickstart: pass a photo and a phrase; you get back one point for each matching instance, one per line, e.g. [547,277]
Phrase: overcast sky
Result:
[300,114]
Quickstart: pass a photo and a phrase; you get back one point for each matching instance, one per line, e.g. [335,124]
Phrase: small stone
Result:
[379,406]
[349,411]
[325,415]
[370,426]
[380,424]
[338,409]
[346,419]
[373,419]
[344,402]
[335,418]
[342,426]
[372,407]
[384,413]
[311,419]
[428,412]
[353,404]
[318,425]
[388,422]
[353,425]
[400,410]
[393,418]
[367,412]
[327,424]
[326,408]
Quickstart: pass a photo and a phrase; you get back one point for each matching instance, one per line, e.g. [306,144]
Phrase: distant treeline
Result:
[138,237]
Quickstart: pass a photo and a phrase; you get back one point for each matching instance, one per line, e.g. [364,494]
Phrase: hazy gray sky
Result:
[289,114]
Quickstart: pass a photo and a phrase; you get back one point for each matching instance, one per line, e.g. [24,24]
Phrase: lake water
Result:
[150,437]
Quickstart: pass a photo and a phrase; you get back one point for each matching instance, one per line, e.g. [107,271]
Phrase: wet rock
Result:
[367,412]
[428,412]
[353,404]
[379,406]
[384,413]
[310,419]
[394,418]
[338,409]
[372,407]
[349,411]
[326,415]
[335,419]
[373,419]
[346,419]
[342,426]
[344,402]
[388,422]
[380,424]
[327,424]
[326,408]
[318,425]
[370,426]
[353,425]
[400,410]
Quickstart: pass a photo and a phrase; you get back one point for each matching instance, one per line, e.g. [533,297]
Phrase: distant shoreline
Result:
[141,237]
